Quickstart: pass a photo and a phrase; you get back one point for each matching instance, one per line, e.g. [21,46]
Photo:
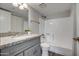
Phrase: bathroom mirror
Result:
[19,18]
[13,18]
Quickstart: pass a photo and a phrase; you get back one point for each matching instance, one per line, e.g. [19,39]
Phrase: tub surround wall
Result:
[62,31]
[60,34]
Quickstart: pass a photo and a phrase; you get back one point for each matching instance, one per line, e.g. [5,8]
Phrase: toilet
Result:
[45,48]
[44,45]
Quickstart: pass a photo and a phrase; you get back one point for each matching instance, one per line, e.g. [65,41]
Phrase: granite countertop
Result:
[13,40]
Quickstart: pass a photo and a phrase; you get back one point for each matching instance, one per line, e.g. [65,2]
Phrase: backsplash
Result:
[12,34]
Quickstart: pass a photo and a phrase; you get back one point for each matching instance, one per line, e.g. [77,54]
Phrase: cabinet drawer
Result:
[37,50]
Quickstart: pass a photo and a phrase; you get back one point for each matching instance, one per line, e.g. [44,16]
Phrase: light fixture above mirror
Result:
[21,6]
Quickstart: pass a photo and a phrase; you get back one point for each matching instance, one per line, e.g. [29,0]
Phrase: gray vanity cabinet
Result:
[34,51]
[28,52]
[37,51]
[30,47]
[20,54]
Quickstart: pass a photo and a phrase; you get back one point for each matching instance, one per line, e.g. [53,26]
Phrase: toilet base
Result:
[45,51]
[45,48]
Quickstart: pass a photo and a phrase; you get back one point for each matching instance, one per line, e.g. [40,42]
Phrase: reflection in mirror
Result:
[12,19]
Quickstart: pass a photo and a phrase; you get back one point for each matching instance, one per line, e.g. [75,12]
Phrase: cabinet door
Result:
[28,52]
[37,50]
[33,51]
[20,54]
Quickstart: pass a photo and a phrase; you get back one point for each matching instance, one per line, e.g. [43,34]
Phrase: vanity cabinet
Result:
[34,51]
[30,47]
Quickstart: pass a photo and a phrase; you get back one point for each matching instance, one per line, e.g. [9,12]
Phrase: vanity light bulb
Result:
[25,5]
[15,4]
[21,7]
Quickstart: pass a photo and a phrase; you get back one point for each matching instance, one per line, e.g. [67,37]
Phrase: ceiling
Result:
[51,9]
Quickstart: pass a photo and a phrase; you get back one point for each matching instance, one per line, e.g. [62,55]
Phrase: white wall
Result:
[41,26]
[77,15]
[5,21]
[73,17]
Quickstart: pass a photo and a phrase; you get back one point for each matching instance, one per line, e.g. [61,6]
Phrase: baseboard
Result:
[62,51]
